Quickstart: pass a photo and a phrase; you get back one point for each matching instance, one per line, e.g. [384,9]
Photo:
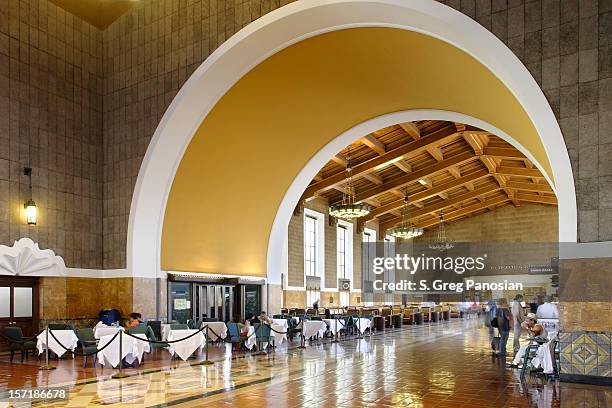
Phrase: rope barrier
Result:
[83,354]
[218,337]
[167,341]
[22,341]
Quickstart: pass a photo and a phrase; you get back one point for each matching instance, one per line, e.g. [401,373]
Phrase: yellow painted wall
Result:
[251,146]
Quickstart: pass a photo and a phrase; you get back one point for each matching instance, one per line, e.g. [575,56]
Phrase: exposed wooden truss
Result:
[442,166]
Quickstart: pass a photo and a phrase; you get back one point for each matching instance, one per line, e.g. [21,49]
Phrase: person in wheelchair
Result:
[536,335]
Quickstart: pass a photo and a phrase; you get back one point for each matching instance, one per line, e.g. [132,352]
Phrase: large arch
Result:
[292,24]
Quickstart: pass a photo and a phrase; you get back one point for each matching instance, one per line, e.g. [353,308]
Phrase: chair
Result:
[293,328]
[348,325]
[16,341]
[60,326]
[155,326]
[179,326]
[154,333]
[262,333]
[89,344]
[234,333]
[140,329]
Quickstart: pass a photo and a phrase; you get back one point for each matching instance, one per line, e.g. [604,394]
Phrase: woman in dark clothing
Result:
[503,325]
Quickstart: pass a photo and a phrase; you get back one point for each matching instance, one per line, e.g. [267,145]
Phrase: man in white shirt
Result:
[519,317]
[548,310]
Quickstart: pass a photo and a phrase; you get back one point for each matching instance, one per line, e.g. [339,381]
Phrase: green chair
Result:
[60,326]
[89,344]
[234,333]
[16,341]
[155,325]
[262,333]
[154,333]
[140,329]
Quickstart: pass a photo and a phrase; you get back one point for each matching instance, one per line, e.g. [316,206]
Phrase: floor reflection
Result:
[443,365]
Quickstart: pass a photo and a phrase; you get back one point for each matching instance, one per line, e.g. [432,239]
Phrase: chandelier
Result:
[441,243]
[406,230]
[348,209]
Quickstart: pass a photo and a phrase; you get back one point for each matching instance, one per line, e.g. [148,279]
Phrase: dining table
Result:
[132,349]
[185,348]
[334,325]
[66,337]
[216,330]
[101,331]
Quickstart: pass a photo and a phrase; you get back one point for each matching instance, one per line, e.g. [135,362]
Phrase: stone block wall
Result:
[527,223]
[585,299]
[51,121]
[567,47]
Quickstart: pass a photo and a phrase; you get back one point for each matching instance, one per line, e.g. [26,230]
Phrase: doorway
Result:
[18,305]
[215,301]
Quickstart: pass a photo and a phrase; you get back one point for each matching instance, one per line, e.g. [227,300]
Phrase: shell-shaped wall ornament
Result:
[25,258]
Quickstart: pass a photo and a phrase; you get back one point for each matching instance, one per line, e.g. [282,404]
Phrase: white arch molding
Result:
[291,24]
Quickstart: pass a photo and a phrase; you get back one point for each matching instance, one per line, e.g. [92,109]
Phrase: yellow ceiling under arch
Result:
[248,150]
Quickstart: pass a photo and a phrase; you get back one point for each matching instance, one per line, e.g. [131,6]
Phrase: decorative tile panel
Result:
[586,353]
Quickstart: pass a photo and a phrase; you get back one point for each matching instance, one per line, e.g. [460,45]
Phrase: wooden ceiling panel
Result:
[455,168]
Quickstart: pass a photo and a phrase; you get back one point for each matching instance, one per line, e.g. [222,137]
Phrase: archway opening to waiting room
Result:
[258,120]
[488,193]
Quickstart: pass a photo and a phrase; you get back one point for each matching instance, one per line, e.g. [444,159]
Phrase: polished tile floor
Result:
[448,364]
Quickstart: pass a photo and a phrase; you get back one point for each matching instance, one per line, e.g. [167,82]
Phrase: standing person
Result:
[491,313]
[518,317]
[548,310]
[503,325]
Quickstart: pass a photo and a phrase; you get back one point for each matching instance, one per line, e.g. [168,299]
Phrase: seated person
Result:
[264,318]
[135,320]
[244,328]
[535,331]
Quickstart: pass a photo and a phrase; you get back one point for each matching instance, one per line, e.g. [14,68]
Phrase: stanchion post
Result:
[260,352]
[360,335]
[120,374]
[303,336]
[46,366]
[335,340]
[207,361]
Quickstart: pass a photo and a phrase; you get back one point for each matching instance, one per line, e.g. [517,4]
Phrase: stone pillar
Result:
[585,306]
[272,298]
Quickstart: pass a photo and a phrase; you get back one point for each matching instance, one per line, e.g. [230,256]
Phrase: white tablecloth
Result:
[66,337]
[251,338]
[217,327]
[334,325]
[132,349]
[281,332]
[281,322]
[184,349]
[311,328]
[101,331]
[165,329]
[363,324]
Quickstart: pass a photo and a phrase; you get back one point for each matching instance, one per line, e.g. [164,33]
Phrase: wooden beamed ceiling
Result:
[443,167]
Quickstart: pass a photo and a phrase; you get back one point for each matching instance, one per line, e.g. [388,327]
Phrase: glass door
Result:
[18,305]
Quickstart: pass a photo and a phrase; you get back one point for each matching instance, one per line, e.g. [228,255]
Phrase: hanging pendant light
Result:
[348,209]
[441,243]
[30,205]
[406,230]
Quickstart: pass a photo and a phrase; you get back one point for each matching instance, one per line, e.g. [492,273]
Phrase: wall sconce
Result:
[30,205]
